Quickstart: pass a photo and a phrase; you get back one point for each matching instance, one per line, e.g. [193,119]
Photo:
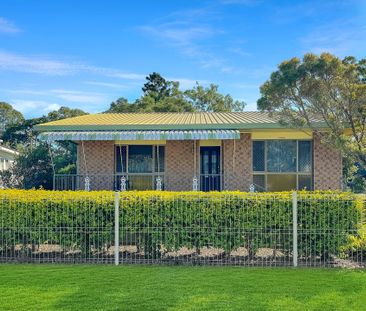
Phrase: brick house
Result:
[187,151]
[7,157]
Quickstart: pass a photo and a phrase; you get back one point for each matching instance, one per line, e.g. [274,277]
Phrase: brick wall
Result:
[99,156]
[327,167]
[237,173]
[179,163]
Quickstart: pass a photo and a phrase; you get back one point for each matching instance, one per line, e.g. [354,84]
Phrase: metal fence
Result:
[252,229]
[115,182]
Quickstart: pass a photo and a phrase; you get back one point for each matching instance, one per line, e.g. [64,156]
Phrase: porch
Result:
[243,164]
[141,166]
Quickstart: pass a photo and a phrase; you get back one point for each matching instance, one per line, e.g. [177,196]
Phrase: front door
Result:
[210,179]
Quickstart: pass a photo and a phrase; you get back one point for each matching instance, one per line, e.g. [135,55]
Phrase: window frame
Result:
[265,173]
[153,174]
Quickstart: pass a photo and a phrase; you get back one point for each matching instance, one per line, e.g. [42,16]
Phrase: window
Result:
[259,159]
[140,164]
[280,165]
[140,159]
[281,156]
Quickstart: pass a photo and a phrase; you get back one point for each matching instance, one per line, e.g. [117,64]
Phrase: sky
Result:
[86,54]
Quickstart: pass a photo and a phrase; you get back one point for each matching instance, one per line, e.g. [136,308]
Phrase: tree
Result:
[121,105]
[157,87]
[23,132]
[63,113]
[159,95]
[325,88]
[33,167]
[9,116]
[210,100]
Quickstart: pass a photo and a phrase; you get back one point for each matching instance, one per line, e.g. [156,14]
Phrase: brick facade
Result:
[179,164]
[99,158]
[179,161]
[327,167]
[237,173]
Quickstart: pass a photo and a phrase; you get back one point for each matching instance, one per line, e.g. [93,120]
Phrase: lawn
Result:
[97,287]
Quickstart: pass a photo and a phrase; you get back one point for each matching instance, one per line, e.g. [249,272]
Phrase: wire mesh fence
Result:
[191,228]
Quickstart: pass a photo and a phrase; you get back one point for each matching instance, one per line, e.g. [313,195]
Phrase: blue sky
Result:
[87,54]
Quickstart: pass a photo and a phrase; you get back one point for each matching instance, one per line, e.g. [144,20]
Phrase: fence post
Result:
[294,229]
[116,228]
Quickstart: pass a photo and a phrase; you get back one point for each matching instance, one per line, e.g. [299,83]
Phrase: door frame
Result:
[220,161]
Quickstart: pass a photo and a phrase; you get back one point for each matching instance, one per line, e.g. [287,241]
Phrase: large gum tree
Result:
[322,87]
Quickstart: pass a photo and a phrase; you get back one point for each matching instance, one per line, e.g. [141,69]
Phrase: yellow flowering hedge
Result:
[163,221]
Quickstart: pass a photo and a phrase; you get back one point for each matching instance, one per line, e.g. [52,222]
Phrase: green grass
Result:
[87,287]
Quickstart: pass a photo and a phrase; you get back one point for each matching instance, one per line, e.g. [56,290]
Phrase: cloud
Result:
[239,51]
[190,36]
[7,27]
[126,76]
[39,65]
[181,34]
[189,40]
[340,38]
[188,83]
[78,96]
[107,84]
[33,107]
[47,66]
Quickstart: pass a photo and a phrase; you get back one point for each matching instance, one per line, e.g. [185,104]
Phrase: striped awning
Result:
[141,135]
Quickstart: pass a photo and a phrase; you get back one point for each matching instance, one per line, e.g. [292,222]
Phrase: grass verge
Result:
[97,287]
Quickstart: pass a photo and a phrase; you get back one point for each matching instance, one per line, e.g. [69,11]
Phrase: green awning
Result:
[141,135]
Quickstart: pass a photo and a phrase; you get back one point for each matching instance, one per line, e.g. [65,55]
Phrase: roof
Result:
[165,121]
[8,151]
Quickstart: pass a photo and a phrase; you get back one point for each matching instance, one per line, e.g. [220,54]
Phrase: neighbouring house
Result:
[243,151]
[7,157]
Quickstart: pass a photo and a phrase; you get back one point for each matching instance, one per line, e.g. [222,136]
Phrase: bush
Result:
[166,221]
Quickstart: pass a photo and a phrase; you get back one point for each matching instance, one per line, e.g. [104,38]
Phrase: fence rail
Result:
[251,229]
[95,182]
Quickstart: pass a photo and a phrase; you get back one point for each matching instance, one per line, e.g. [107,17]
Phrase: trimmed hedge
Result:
[166,221]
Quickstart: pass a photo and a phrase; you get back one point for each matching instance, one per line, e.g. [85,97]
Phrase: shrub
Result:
[166,221]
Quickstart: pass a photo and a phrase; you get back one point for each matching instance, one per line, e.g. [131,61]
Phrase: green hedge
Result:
[166,221]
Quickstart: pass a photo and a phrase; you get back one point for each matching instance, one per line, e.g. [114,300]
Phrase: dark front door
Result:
[210,178]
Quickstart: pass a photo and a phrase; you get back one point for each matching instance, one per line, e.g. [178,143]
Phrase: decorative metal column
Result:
[195,179]
[195,183]
[158,183]
[123,183]
[87,183]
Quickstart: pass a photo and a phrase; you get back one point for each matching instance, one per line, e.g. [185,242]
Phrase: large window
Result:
[280,165]
[141,164]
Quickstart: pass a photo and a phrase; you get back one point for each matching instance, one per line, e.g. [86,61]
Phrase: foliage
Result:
[161,95]
[157,87]
[326,88]
[23,132]
[9,180]
[210,100]
[63,113]
[173,220]
[9,116]
[33,167]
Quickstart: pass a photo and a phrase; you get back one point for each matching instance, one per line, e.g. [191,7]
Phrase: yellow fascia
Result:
[210,142]
[140,142]
[282,134]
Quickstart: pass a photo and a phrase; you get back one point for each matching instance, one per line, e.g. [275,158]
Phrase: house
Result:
[188,151]
[7,157]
